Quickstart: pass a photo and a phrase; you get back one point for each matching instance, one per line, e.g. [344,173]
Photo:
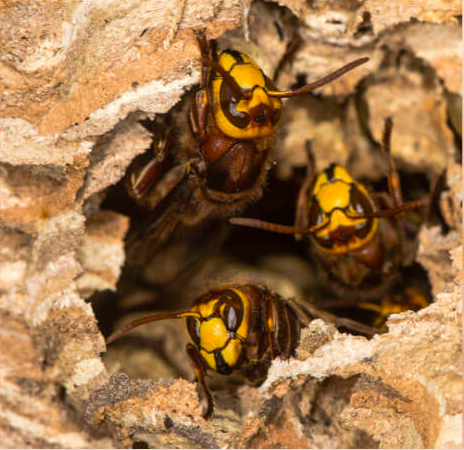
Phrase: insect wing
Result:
[158,227]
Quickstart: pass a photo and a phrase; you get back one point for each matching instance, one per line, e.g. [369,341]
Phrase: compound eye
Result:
[232,313]
[228,104]
[359,201]
[324,241]
[275,116]
[316,215]
[193,328]
[362,230]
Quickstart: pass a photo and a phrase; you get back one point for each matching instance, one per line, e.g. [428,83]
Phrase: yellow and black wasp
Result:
[242,328]
[357,239]
[214,161]
[410,298]
[412,293]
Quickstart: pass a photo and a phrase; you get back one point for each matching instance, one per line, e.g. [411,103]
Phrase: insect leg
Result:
[438,186]
[199,369]
[168,182]
[386,202]
[141,178]
[205,50]
[340,303]
[307,311]
[290,51]
[199,109]
[302,213]
[394,185]
[198,114]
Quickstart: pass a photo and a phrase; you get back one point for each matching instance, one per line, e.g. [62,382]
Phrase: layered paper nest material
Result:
[75,79]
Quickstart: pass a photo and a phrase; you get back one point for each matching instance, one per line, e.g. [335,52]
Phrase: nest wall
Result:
[76,79]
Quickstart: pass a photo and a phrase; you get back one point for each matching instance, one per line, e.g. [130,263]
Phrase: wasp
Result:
[214,162]
[242,328]
[414,296]
[408,299]
[358,239]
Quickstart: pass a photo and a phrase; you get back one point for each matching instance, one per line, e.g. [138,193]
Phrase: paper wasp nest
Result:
[76,79]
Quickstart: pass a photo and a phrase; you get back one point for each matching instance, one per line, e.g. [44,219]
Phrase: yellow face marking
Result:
[232,352]
[247,75]
[206,309]
[253,130]
[338,218]
[320,180]
[226,60]
[248,60]
[209,358]
[213,334]
[335,193]
[259,97]
[341,174]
